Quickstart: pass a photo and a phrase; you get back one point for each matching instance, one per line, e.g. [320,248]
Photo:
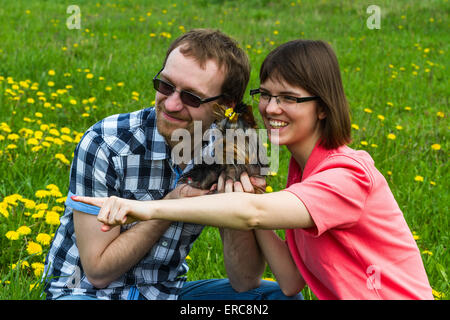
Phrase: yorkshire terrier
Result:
[236,157]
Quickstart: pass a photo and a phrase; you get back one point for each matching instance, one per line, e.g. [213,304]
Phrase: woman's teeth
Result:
[277,123]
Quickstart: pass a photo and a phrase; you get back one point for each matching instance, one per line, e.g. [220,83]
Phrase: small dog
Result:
[245,158]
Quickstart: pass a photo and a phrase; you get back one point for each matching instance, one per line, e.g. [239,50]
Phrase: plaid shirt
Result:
[123,155]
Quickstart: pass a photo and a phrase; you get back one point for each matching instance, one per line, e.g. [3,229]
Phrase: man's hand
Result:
[186,191]
[243,260]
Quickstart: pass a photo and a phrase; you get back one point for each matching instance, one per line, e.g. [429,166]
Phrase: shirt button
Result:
[164,243]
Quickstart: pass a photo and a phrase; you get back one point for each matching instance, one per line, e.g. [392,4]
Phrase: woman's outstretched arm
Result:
[236,210]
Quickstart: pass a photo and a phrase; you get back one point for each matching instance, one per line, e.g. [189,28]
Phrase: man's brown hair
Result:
[207,44]
[313,66]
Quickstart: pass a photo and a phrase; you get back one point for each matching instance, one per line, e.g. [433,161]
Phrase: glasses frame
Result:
[183,93]
[298,100]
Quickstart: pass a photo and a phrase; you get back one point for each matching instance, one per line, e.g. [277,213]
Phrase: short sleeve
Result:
[335,194]
[92,173]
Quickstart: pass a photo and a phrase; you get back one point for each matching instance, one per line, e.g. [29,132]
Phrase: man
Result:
[129,155]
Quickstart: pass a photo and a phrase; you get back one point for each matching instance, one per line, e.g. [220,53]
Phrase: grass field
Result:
[56,82]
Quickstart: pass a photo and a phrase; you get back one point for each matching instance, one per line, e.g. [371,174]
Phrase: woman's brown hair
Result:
[313,66]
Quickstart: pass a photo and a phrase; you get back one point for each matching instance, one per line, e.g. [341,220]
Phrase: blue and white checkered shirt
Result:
[123,155]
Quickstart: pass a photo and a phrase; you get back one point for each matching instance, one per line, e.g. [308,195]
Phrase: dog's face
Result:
[237,148]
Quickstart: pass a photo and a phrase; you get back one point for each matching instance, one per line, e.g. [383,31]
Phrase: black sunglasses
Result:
[186,97]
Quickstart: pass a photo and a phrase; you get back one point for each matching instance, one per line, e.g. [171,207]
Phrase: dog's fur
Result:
[203,175]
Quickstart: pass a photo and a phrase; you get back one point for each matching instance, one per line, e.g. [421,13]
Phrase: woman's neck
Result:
[301,151]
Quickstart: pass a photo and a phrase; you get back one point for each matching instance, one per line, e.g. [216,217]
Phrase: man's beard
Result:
[165,128]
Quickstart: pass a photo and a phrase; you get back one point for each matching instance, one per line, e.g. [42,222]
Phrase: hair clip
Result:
[230,114]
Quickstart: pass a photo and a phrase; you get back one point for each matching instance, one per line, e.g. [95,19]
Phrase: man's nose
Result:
[173,102]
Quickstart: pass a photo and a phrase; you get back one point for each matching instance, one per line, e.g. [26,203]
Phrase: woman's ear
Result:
[321,113]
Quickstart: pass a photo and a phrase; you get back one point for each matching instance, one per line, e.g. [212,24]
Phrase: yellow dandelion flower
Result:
[54,132]
[355,126]
[34,248]
[51,84]
[61,200]
[33,141]
[368,110]
[391,136]
[364,143]
[418,178]
[51,72]
[42,194]
[269,279]
[390,104]
[73,101]
[30,204]
[38,115]
[440,114]
[408,108]
[436,146]
[52,218]
[427,252]
[41,206]
[4,209]
[23,230]
[30,100]
[13,136]
[62,158]
[381,117]
[437,294]
[38,268]
[89,76]
[269,189]
[398,127]
[43,238]
[12,235]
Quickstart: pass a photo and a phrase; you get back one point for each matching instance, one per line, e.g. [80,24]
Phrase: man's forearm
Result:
[127,250]
[243,259]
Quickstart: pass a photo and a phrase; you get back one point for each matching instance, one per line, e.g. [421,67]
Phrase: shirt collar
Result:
[157,148]
[318,154]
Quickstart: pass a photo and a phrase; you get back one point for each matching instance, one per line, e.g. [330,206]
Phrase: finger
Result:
[221,183]
[106,228]
[104,211]
[238,187]
[258,181]
[90,200]
[115,206]
[229,185]
[246,184]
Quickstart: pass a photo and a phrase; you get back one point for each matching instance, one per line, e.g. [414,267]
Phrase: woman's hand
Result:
[116,211]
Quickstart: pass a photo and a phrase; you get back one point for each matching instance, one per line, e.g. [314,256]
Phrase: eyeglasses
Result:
[186,97]
[264,98]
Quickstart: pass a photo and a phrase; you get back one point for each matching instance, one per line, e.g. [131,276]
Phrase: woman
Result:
[346,236]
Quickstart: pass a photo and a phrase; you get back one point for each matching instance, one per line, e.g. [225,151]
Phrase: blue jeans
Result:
[217,289]
[220,289]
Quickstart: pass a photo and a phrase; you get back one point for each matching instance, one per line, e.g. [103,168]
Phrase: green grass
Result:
[398,72]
